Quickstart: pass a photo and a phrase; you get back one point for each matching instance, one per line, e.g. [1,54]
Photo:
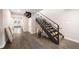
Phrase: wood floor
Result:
[29,41]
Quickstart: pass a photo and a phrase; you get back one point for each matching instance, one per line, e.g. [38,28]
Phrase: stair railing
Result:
[53,23]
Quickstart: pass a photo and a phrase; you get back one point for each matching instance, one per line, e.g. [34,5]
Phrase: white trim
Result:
[68,38]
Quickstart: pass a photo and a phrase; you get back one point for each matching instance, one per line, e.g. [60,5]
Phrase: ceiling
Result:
[22,11]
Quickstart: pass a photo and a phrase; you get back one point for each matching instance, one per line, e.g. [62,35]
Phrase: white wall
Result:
[68,21]
[7,21]
[6,17]
[32,24]
[1,29]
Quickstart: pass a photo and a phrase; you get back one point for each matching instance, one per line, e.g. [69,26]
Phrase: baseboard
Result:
[67,38]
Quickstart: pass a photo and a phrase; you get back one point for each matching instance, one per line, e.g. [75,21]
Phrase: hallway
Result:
[29,41]
[51,23]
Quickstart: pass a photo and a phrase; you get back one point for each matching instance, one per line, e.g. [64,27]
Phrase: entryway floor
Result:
[31,41]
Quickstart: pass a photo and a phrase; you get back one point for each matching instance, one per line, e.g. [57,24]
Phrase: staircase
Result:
[51,30]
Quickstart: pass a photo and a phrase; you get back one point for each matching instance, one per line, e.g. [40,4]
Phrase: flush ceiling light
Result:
[27,14]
